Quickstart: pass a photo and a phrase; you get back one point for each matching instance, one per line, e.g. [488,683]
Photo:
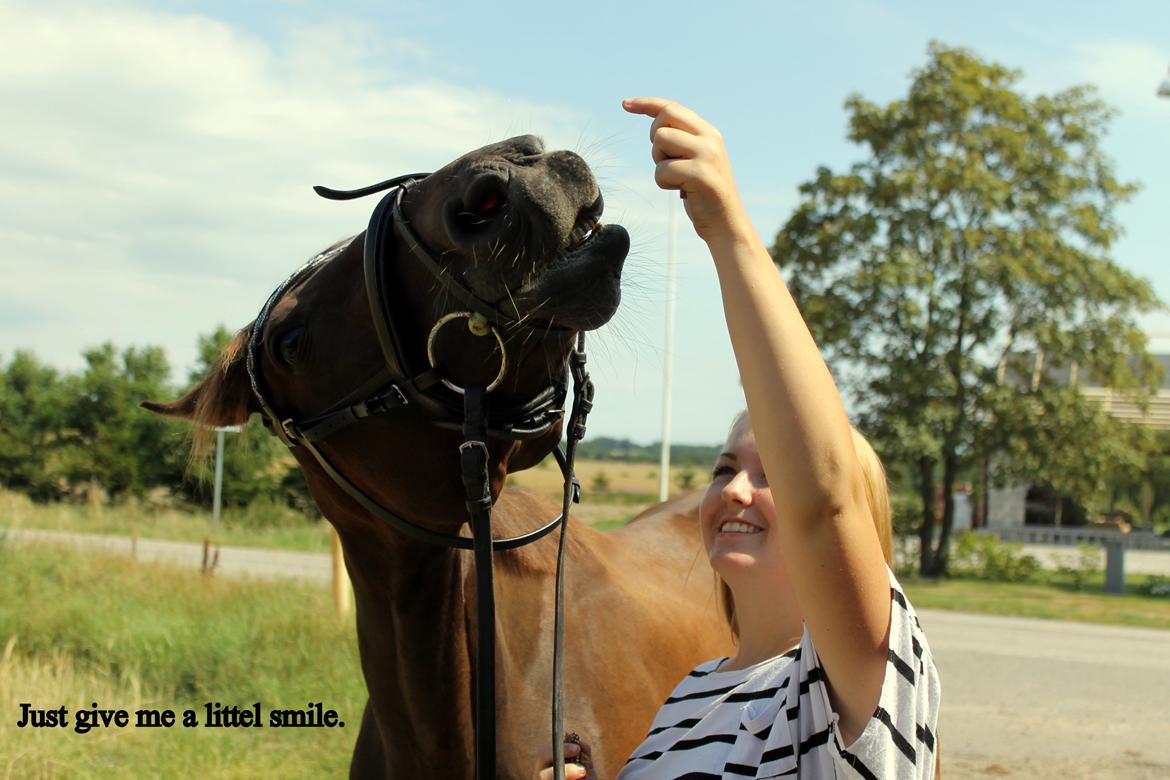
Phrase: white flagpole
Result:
[668,353]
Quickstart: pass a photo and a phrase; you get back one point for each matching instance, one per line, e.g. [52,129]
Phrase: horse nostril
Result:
[488,204]
[481,203]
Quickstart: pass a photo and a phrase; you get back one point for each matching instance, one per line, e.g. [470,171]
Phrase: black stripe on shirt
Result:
[701,673]
[698,776]
[766,693]
[815,740]
[682,724]
[858,767]
[775,754]
[925,736]
[814,676]
[900,741]
[689,744]
[897,596]
[732,768]
[700,695]
[903,668]
[917,646]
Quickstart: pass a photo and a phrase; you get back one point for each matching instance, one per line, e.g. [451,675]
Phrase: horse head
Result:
[480,274]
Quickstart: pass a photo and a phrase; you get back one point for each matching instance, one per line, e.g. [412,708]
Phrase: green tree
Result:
[110,440]
[32,418]
[978,228]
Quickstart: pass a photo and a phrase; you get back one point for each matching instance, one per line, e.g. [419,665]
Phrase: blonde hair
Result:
[877,499]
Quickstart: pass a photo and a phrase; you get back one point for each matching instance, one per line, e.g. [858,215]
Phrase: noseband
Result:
[398,384]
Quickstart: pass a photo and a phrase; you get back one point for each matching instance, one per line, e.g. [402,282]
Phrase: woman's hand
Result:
[577,751]
[689,154]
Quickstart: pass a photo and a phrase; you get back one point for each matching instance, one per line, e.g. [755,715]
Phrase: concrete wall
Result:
[1005,507]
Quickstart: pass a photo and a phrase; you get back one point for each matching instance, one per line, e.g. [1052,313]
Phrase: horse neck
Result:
[416,655]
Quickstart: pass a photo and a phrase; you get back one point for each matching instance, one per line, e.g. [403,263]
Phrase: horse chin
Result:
[581,288]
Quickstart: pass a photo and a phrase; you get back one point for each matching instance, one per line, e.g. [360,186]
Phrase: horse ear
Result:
[223,397]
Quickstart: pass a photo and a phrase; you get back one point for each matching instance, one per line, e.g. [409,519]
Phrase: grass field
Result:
[83,630]
[1041,601]
[79,629]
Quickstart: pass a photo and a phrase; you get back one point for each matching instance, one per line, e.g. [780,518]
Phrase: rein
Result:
[449,406]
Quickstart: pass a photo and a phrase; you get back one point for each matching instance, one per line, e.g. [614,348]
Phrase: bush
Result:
[1156,586]
[600,482]
[267,512]
[1078,569]
[983,557]
[907,511]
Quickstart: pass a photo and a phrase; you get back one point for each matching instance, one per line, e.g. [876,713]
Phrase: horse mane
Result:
[223,397]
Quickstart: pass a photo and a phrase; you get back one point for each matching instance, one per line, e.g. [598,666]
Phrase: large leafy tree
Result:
[978,229]
[109,441]
[32,418]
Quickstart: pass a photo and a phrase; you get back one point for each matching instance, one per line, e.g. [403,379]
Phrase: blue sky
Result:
[157,156]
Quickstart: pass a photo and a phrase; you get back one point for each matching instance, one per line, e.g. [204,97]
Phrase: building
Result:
[1024,505]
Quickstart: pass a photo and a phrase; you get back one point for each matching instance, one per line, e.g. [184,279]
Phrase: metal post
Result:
[215,503]
[1115,567]
[341,597]
[668,354]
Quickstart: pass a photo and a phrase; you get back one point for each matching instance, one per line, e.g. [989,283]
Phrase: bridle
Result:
[398,384]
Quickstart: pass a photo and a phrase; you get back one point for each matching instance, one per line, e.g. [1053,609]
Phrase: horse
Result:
[513,230]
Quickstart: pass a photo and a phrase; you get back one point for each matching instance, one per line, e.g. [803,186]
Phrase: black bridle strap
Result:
[582,405]
[361,192]
[377,396]
[419,532]
[473,459]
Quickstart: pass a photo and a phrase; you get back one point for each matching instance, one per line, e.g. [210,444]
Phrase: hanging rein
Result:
[397,384]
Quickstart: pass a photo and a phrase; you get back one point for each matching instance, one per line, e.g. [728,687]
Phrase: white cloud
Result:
[155,169]
[155,174]
[1126,72]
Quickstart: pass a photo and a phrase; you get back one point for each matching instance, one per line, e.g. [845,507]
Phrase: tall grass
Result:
[83,628]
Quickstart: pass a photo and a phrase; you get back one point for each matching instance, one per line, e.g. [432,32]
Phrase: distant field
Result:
[613,493]
[612,481]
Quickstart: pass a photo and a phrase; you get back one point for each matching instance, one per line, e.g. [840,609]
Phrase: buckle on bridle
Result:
[470,444]
[289,428]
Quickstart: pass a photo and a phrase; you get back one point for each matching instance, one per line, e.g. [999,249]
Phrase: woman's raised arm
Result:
[831,549]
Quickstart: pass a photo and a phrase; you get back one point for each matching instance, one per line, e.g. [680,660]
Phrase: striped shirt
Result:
[775,719]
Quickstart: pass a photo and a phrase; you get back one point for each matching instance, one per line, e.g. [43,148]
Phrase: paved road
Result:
[1022,698]
[1050,699]
[233,561]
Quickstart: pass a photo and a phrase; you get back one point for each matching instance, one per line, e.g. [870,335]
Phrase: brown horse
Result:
[518,227]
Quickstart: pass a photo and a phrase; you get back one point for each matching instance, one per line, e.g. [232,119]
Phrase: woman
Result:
[833,676]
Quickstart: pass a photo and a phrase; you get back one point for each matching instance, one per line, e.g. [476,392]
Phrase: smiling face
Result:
[738,514]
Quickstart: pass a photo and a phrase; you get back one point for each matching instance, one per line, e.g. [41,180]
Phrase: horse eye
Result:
[288,347]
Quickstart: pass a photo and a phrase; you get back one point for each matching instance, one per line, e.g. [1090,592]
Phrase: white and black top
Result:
[774,719]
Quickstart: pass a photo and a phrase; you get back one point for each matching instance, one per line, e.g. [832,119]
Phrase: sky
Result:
[157,158]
